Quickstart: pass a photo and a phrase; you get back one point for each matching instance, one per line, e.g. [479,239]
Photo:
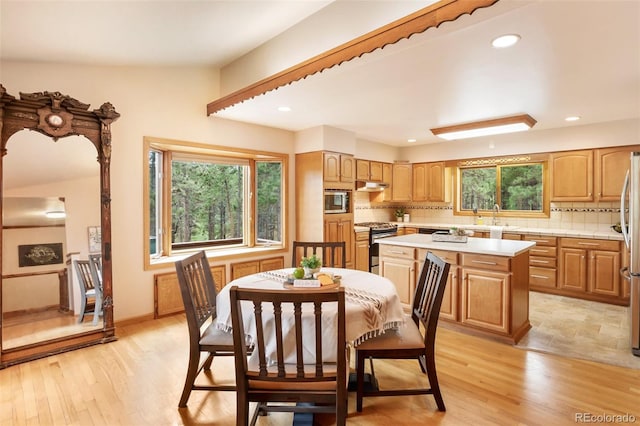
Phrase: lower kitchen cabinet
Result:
[337,229]
[485,299]
[450,299]
[590,269]
[398,264]
[362,250]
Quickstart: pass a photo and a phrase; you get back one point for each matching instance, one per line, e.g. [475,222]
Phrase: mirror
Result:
[56,157]
[41,297]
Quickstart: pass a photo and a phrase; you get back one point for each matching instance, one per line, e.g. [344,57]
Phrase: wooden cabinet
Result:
[242,269]
[370,171]
[590,269]
[362,251]
[542,262]
[338,168]
[402,177]
[398,264]
[611,165]
[485,294]
[430,182]
[450,300]
[571,175]
[338,227]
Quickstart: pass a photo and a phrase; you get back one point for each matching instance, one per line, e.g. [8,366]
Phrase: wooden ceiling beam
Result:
[415,23]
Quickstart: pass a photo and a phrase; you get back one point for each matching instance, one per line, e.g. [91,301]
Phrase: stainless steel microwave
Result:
[336,201]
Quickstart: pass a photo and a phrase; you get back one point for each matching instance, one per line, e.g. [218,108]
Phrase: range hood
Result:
[371,186]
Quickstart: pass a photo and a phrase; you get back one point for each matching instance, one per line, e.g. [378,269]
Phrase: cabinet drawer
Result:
[362,236]
[541,240]
[543,262]
[494,263]
[397,252]
[450,257]
[542,277]
[543,251]
[590,244]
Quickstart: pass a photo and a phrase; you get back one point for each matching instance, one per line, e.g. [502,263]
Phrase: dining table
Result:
[372,306]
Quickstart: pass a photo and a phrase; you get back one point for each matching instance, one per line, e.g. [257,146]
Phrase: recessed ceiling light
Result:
[284,108]
[411,140]
[506,40]
[572,118]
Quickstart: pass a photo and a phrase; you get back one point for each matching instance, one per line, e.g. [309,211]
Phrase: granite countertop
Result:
[584,233]
[488,246]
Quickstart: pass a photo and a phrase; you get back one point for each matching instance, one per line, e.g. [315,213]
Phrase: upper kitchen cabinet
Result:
[611,165]
[338,171]
[589,175]
[369,171]
[571,175]
[387,178]
[431,182]
[402,178]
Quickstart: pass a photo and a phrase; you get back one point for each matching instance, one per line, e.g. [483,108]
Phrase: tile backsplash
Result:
[574,216]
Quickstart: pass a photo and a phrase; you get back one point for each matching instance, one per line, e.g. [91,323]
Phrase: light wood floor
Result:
[137,380]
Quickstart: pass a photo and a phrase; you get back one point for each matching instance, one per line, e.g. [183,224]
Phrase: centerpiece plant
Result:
[310,264]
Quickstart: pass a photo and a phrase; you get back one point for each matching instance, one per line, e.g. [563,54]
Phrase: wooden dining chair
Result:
[272,379]
[90,293]
[416,339]
[333,254]
[199,297]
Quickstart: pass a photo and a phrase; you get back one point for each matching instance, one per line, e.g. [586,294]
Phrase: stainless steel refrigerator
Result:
[631,230]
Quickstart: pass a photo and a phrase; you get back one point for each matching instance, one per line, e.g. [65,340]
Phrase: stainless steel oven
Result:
[377,230]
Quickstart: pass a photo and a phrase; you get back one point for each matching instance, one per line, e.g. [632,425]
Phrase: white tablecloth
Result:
[372,306]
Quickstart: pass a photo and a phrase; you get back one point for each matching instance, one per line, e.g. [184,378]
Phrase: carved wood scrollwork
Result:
[56,115]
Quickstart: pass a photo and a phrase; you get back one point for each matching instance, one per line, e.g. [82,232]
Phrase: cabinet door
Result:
[436,182]
[244,268]
[345,233]
[419,189]
[401,182]
[347,168]
[331,167]
[402,273]
[375,171]
[571,176]
[362,251]
[449,308]
[485,300]
[611,166]
[604,272]
[271,264]
[362,170]
[572,274]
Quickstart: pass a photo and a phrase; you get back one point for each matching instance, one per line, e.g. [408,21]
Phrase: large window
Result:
[202,197]
[519,189]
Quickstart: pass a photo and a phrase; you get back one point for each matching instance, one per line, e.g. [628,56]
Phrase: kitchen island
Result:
[487,291]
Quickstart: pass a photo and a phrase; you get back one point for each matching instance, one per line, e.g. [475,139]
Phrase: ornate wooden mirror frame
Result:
[56,115]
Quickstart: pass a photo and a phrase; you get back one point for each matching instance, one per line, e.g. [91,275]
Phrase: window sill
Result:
[214,255]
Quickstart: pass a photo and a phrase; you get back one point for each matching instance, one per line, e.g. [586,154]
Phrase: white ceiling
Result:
[575,58]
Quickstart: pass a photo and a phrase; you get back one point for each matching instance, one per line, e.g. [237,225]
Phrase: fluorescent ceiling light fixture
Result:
[56,214]
[497,126]
[506,40]
[572,118]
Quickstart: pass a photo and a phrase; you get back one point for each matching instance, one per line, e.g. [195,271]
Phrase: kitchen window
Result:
[212,198]
[518,189]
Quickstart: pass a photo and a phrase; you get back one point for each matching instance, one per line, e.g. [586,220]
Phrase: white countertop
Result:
[560,232]
[488,246]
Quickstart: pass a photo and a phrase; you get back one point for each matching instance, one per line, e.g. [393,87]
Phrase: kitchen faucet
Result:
[496,210]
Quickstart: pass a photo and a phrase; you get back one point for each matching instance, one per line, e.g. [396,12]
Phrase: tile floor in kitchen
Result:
[580,328]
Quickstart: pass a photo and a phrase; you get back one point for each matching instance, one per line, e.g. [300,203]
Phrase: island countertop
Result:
[490,246]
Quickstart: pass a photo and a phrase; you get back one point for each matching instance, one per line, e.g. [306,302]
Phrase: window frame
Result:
[546,185]
[183,150]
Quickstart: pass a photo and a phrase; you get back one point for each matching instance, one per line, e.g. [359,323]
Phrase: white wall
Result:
[167,102]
